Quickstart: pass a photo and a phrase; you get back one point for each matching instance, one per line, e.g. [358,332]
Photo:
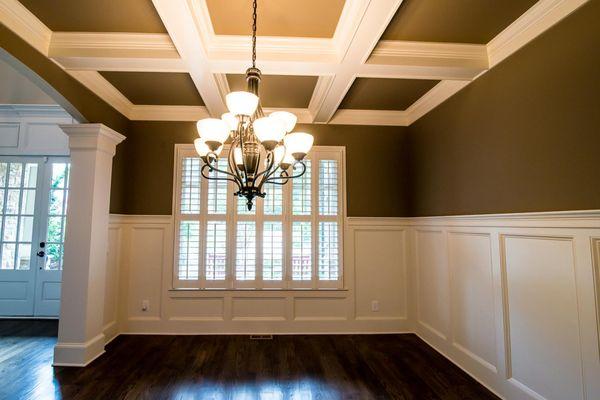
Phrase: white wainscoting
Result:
[375,255]
[33,130]
[512,299]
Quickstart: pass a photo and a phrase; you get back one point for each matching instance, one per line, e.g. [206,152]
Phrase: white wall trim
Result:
[20,20]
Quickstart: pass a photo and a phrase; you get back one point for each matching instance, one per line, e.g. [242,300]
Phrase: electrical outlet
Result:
[145,305]
[375,305]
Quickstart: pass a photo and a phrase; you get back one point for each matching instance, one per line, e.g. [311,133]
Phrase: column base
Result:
[78,354]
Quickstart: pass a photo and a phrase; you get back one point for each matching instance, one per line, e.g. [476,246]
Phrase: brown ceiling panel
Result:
[280,90]
[97,16]
[459,21]
[306,18]
[156,88]
[385,94]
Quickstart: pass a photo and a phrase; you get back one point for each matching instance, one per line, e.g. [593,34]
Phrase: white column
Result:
[80,336]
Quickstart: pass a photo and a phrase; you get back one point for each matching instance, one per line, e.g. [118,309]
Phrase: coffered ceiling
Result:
[365,62]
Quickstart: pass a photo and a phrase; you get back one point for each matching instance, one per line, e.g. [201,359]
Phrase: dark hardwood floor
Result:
[232,367]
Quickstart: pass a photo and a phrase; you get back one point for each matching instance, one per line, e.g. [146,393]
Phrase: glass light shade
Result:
[241,103]
[287,118]
[298,144]
[238,157]
[230,120]
[213,130]
[202,148]
[269,129]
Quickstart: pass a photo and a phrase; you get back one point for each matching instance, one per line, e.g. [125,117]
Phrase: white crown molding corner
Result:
[27,26]
[370,117]
[539,18]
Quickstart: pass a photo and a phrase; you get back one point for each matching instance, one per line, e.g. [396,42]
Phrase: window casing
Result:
[292,239]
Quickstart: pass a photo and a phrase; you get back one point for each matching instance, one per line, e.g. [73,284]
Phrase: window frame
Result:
[232,217]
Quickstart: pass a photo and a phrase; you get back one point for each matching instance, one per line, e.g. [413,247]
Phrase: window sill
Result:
[212,293]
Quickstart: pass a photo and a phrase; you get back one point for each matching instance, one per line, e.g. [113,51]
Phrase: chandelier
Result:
[257,141]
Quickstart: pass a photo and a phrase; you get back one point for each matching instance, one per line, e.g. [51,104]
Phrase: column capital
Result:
[92,137]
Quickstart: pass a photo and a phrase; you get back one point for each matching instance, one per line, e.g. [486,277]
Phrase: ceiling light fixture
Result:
[254,137]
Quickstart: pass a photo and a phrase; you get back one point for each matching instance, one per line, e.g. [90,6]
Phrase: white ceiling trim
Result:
[21,21]
[540,17]
[371,117]
[185,32]
[337,61]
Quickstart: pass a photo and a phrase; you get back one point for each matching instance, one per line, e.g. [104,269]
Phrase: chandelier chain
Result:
[254,6]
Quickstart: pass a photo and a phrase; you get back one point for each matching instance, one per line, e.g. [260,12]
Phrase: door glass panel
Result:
[57,212]
[18,182]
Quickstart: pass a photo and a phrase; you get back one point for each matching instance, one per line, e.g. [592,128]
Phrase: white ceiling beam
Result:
[103,89]
[376,16]
[540,17]
[16,17]
[370,117]
[185,32]
[425,60]
[433,98]
[115,52]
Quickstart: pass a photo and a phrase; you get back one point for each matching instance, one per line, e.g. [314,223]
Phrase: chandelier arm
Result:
[211,168]
[288,177]
[270,162]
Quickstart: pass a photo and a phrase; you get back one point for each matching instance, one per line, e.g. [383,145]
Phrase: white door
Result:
[53,217]
[33,193]
[20,180]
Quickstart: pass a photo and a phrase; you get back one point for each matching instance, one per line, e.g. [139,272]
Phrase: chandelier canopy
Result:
[254,138]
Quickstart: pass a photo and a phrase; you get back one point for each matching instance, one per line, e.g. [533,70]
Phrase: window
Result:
[291,239]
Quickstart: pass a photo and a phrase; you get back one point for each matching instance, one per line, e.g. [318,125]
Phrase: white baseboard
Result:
[78,354]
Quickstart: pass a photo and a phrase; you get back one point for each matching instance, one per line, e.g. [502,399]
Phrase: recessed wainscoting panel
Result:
[542,316]
[379,254]
[472,294]
[432,277]
[320,308]
[148,303]
[9,134]
[145,278]
[12,290]
[522,299]
[258,309]
[51,290]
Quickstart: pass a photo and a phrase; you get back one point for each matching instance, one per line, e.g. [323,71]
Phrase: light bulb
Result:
[269,131]
[238,157]
[298,144]
[287,118]
[202,148]
[241,103]
[230,120]
[213,131]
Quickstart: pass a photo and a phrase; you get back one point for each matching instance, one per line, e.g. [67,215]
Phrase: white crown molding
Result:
[103,89]
[115,52]
[539,18]
[167,113]
[54,111]
[430,100]
[370,117]
[21,21]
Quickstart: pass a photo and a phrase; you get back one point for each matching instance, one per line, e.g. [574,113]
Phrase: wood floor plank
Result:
[232,367]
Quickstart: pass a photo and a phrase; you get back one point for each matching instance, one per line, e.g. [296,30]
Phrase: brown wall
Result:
[376,166]
[523,137]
